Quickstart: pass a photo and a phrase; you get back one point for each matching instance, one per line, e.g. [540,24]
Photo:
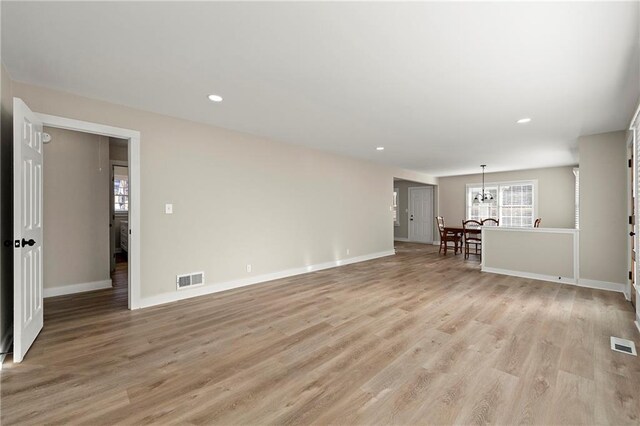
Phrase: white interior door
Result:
[28,311]
[421,214]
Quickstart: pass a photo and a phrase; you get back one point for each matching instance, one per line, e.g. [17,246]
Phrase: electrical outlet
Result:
[168,208]
[248,268]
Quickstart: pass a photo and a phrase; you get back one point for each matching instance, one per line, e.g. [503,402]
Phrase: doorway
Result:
[29,138]
[413,204]
[421,214]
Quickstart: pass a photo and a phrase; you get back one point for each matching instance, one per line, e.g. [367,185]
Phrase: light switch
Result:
[168,208]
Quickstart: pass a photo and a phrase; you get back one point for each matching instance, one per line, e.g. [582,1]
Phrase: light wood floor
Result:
[416,338]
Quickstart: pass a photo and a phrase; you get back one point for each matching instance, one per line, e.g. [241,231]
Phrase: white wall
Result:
[239,199]
[603,207]
[556,194]
[76,208]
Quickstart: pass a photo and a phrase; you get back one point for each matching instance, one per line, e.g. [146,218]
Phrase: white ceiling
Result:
[439,85]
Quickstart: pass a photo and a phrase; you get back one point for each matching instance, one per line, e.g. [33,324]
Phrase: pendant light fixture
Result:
[483,196]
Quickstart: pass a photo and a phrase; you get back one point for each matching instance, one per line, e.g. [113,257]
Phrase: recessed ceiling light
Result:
[380,148]
[523,120]
[215,98]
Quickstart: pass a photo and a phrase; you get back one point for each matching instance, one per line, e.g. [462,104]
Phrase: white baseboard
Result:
[603,285]
[77,288]
[436,243]
[581,282]
[637,322]
[218,287]
[404,240]
[530,275]
[6,344]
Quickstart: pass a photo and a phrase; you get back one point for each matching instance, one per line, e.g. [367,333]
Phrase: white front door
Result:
[28,313]
[421,214]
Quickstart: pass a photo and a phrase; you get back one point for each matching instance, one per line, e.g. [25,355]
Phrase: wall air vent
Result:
[189,280]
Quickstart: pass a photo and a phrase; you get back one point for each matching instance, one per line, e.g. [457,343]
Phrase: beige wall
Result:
[530,251]
[239,199]
[556,194]
[603,207]
[117,151]
[6,204]
[402,231]
[76,208]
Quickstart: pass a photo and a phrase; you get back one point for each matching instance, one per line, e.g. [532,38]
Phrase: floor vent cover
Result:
[623,345]
[189,280]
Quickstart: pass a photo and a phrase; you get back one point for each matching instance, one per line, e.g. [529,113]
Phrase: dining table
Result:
[459,232]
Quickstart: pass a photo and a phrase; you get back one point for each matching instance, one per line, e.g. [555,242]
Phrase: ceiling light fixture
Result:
[380,148]
[523,120]
[215,98]
[483,196]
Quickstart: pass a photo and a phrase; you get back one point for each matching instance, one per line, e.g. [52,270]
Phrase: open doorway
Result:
[119,214]
[85,214]
[414,205]
[28,218]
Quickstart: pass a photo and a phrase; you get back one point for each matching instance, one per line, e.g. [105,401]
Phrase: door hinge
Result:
[629,162]
[630,275]
[630,220]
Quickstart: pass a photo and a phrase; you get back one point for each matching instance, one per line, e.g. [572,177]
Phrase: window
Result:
[513,203]
[120,189]
[396,218]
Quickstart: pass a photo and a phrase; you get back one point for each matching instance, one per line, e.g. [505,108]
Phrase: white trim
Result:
[599,285]
[77,288]
[133,137]
[6,344]
[228,285]
[527,229]
[530,275]
[602,285]
[637,322]
[405,240]
[436,242]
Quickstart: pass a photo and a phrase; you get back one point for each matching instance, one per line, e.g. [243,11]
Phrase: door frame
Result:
[133,137]
[409,194]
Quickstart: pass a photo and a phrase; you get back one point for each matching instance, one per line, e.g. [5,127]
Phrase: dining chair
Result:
[448,237]
[471,235]
[536,224]
[490,222]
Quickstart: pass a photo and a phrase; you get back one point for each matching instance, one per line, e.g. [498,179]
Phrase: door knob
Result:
[29,243]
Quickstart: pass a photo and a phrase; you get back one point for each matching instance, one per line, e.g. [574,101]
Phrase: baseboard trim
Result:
[603,285]
[6,343]
[580,282]
[229,285]
[637,322]
[77,288]
[530,275]
[404,240]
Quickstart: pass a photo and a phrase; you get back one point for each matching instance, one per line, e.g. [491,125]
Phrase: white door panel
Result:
[27,227]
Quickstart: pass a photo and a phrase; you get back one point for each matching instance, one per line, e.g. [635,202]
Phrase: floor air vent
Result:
[189,280]
[623,345]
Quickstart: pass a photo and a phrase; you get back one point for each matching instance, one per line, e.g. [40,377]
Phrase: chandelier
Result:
[483,196]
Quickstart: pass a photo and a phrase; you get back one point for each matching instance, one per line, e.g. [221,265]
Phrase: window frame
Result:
[498,185]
